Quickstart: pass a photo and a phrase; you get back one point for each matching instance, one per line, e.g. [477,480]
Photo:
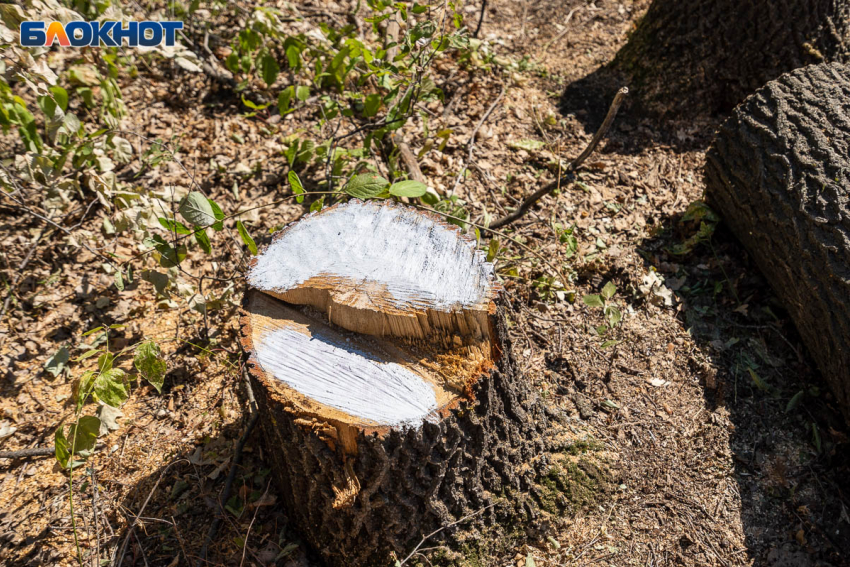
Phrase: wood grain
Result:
[382,269]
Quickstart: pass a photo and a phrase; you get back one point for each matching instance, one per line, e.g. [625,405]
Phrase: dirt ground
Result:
[689,393]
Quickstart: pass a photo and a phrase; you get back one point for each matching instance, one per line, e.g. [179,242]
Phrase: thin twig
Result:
[248,533]
[141,548]
[237,458]
[35,452]
[470,144]
[94,514]
[132,527]
[435,532]
[522,246]
[20,271]
[563,33]
[542,192]
[480,18]
[409,159]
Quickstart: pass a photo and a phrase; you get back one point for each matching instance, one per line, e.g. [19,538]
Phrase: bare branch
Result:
[574,165]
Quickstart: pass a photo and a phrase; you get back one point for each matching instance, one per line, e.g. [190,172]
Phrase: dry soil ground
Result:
[711,468]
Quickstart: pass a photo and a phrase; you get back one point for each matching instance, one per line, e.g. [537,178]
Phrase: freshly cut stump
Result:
[383,373]
[779,172]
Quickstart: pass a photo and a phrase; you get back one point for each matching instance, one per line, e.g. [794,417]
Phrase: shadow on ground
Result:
[789,444]
[178,504]
[589,98]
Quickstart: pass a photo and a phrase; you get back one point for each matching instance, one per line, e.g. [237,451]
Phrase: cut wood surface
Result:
[388,270]
[367,381]
[779,172]
[380,435]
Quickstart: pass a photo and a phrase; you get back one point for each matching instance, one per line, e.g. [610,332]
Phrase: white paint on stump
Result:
[420,263]
[334,373]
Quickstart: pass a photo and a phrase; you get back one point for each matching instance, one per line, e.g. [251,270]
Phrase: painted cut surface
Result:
[377,256]
[345,378]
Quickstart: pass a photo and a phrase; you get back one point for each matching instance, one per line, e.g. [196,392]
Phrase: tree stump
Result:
[690,57]
[779,172]
[388,395]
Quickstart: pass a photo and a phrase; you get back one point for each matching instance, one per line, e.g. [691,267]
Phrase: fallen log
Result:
[388,395]
[779,172]
[691,57]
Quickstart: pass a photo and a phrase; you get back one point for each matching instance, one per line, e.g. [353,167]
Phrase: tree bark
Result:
[362,491]
[779,172]
[690,57]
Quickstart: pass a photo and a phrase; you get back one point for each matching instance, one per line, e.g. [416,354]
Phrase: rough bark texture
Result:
[412,480]
[688,57]
[779,172]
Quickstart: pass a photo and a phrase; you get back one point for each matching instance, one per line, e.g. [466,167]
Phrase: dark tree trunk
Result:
[690,57]
[779,172]
[407,482]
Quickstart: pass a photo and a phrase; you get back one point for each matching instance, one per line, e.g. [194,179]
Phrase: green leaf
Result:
[317,205]
[83,435]
[60,95]
[409,188]
[246,238]
[83,438]
[196,209]
[170,256]
[297,187]
[159,280]
[527,145]
[593,300]
[609,290]
[119,280]
[366,186]
[493,249]
[613,315]
[104,361]
[372,105]
[302,93]
[283,100]
[150,363]
[795,401]
[758,381]
[291,152]
[84,388]
[48,106]
[253,105]
[203,241]
[88,354]
[305,152]
[56,363]
[92,331]
[293,56]
[61,447]
[218,214]
[110,388]
[173,226]
[269,69]
[87,95]
[529,560]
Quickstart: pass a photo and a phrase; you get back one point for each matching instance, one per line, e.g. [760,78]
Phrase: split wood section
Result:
[381,365]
